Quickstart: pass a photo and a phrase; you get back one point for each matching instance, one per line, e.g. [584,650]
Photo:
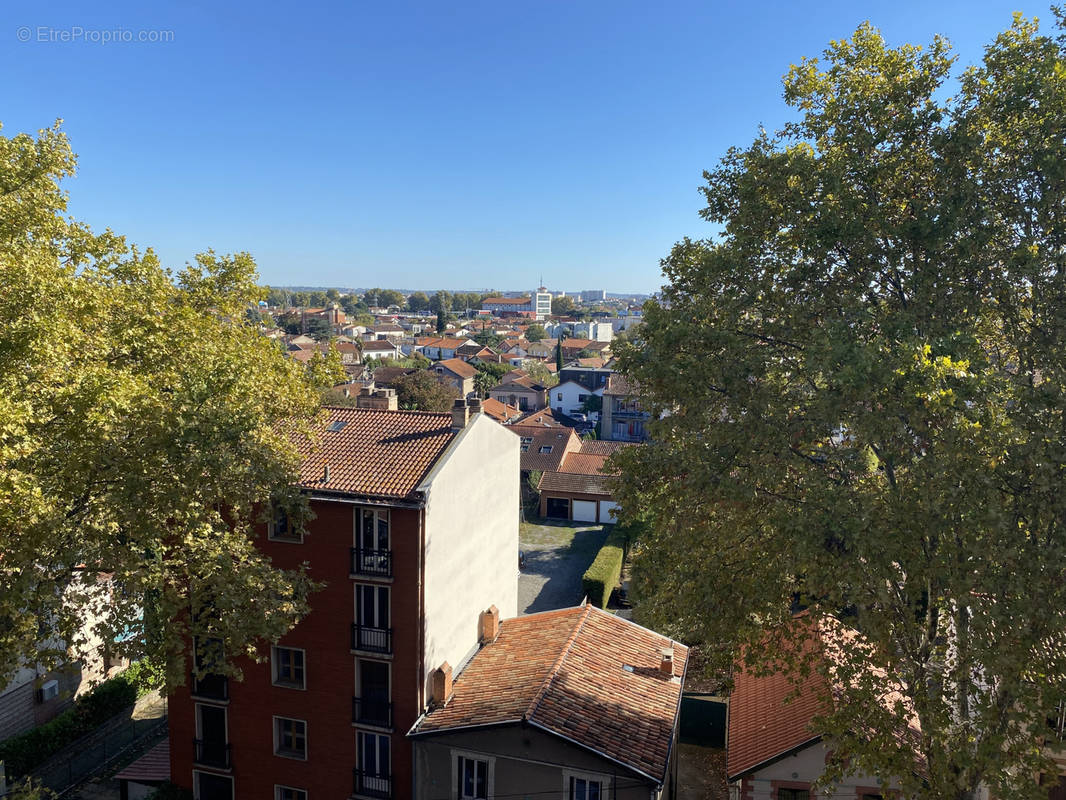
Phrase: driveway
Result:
[557,555]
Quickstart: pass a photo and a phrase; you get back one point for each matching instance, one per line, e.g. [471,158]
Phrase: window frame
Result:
[196,773]
[457,758]
[277,512]
[280,789]
[294,755]
[276,680]
[589,777]
[358,518]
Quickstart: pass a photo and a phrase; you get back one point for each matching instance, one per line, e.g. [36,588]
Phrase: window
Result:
[372,704]
[290,737]
[584,789]
[211,746]
[372,618]
[546,450]
[207,786]
[279,529]
[373,775]
[473,779]
[558,395]
[581,398]
[49,691]
[526,442]
[372,528]
[793,794]
[288,793]
[288,664]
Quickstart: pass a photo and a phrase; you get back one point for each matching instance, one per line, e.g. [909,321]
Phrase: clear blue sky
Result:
[425,145]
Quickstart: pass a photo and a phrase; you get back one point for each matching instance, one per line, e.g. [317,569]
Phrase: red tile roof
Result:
[501,412]
[566,672]
[561,441]
[457,366]
[153,766]
[375,453]
[601,447]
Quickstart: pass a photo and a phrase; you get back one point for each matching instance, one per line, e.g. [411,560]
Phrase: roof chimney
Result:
[440,685]
[459,414]
[325,474]
[474,404]
[666,664]
[488,625]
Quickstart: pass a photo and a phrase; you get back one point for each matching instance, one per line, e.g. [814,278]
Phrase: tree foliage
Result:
[418,301]
[536,332]
[864,380]
[421,391]
[140,431]
[562,306]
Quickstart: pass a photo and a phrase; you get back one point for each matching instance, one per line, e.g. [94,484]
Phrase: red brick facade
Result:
[326,704]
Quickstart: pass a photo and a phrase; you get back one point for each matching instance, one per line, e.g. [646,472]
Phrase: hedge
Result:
[605,572]
[22,753]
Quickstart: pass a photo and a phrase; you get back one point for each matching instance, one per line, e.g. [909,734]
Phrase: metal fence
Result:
[98,751]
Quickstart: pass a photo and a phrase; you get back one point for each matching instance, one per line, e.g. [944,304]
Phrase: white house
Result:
[569,397]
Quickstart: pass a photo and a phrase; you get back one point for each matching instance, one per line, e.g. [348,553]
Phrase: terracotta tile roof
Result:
[561,441]
[564,671]
[601,447]
[574,483]
[457,366]
[582,463]
[376,453]
[446,343]
[386,375]
[543,418]
[151,767]
[620,386]
[378,345]
[501,412]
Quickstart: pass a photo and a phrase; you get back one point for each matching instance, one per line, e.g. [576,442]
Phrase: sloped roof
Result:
[378,344]
[152,767]
[374,453]
[603,448]
[501,412]
[546,418]
[458,367]
[565,672]
[561,441]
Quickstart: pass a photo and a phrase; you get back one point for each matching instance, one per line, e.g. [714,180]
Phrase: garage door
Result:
[584,511]
[606,509]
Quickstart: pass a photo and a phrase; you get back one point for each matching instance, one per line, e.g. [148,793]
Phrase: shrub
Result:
[22,753]
[605,572]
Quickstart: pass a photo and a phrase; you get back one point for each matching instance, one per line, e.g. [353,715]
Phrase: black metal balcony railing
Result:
[368,711]
[371,784]
[375,640]
[210,686]
[211,753]
[377,563]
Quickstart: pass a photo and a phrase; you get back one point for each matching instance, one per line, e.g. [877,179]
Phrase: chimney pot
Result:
[666,664]
[325,474]
[488,625]
[440,685]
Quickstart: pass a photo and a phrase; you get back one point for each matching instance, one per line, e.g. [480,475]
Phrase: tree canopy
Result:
[421,391]
[536,332]
[141,430]
[862,385]
[561,306]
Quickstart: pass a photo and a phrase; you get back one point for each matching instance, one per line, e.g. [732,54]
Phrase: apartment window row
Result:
[371,528]
[209,786]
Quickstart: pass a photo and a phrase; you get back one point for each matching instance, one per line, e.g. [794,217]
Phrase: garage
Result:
[558,508]
[584,511]
[607,510]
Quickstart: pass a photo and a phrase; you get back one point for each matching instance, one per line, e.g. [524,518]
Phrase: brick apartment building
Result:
[415,534]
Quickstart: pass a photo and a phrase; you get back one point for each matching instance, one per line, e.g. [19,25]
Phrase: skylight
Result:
[336,425]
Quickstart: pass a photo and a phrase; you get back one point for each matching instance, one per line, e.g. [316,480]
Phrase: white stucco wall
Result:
[807,765]
[471,554]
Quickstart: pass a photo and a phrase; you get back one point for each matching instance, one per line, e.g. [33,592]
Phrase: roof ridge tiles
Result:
[539,696]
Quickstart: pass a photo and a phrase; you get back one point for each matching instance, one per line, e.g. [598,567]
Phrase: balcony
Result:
[211,753]
[371,784]
[375,563]
[373,640]
[210,687]
[369,711]
[628,413]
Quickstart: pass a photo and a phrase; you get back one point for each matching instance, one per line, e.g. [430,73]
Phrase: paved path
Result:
[557,555]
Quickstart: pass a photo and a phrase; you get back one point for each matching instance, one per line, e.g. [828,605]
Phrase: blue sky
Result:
[424,145]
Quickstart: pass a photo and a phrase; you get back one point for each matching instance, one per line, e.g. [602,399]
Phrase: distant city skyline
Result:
[419,144]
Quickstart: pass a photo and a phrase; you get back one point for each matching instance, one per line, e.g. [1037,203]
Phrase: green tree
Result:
[862,387]
[418,301]
[562,306]
[441,302]
[392,297]
[535,332]
[136,438]
[319,329]
[541,374]
[483,383]
[421,391]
